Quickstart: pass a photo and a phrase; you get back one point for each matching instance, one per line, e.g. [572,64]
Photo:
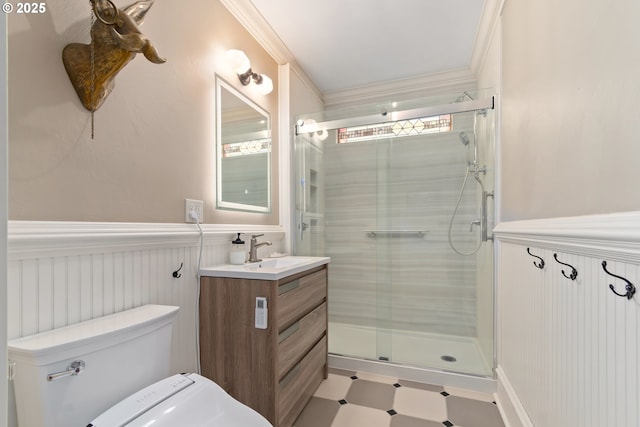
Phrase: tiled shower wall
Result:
[417,281]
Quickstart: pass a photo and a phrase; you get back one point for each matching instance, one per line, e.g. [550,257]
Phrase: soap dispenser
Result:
[238,253]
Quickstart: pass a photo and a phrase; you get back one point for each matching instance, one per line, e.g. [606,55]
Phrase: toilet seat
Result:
[189,400]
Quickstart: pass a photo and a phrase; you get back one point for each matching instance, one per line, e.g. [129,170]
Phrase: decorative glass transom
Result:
[434,124]
[245,148]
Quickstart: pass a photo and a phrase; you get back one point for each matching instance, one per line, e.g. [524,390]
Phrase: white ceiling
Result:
[343,44]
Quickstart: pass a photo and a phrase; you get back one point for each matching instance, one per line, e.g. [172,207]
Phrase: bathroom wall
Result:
[566,116]
[154,134]
[570,108]
[95,226]
[304,96]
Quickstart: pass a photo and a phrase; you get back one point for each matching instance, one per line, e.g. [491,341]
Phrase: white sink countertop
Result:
[267,269]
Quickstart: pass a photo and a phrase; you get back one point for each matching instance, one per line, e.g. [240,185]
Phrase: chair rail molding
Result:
[34,239]
[615,235]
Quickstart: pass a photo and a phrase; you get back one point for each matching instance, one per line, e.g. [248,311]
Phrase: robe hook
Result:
[540,264]
[177,273]
[574,272]
[631,290]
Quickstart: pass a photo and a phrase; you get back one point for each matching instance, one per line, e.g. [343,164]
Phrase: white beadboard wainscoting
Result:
[569,350]
[61,273]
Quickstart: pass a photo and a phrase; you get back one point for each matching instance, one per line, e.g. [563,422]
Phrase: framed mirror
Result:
[243,146]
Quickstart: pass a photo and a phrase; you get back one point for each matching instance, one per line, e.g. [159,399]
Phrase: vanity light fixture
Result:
[239,62]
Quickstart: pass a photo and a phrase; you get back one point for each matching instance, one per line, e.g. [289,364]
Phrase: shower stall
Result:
[400,196]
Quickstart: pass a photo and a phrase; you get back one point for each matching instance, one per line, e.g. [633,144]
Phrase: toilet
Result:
[115,371]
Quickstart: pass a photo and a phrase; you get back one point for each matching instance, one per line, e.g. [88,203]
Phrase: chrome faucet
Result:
[253,250]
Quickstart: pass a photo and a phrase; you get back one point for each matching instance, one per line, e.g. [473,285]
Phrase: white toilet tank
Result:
[122,353]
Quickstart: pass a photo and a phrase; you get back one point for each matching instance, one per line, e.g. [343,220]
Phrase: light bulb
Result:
[238,61]
[266,86]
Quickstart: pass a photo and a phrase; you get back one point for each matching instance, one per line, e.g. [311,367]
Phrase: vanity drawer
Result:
[298,297]
[300,337]
[297,387]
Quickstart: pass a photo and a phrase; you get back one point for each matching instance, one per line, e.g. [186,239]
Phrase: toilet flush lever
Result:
[75,368]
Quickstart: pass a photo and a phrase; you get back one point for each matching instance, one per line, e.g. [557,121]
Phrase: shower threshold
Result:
[422,350]
[413,373]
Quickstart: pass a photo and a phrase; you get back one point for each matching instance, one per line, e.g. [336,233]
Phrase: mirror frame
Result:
[221,84]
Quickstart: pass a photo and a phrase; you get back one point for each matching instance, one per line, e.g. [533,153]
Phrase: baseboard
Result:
[510,407]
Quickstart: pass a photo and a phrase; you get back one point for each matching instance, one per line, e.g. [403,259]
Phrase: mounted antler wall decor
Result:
[115,41]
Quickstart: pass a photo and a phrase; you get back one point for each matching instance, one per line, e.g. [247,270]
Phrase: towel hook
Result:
[177,273]
[631,290]
[540,264]
[574,272]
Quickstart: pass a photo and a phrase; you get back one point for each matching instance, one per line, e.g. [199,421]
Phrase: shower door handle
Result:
[483,222]
[303,226]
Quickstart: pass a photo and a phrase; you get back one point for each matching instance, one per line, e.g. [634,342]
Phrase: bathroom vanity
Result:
[263,332]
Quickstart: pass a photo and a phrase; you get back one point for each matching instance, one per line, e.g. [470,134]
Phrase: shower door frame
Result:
[311,127]
[392,116]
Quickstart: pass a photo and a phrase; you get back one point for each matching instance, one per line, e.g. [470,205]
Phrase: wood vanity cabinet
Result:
[274,370]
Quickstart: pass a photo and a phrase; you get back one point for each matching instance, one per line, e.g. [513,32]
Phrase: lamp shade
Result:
[266,86]
[238,61]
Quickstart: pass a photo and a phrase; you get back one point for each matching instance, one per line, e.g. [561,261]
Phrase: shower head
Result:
[464,138]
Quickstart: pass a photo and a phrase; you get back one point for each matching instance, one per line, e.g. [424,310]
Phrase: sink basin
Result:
[277,263]
[267,269]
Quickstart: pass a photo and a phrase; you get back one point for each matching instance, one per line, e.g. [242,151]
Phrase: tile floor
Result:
[354,399]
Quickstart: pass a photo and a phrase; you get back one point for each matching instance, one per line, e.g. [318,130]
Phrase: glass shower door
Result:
[341,212]
[431,289]
[381,208]
[309,196]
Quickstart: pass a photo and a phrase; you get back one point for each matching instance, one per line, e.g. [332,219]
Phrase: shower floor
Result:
[409,348]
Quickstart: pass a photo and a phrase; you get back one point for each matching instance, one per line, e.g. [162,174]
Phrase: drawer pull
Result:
[283,289]
[288,332]
[292,373]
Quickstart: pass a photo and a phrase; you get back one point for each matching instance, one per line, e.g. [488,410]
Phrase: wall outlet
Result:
[193,205]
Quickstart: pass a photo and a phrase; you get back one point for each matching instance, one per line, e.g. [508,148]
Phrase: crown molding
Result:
[425,85]
[488,23]
[419,86]
[259,28]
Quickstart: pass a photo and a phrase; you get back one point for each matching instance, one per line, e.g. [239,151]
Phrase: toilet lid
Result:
[180,400]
